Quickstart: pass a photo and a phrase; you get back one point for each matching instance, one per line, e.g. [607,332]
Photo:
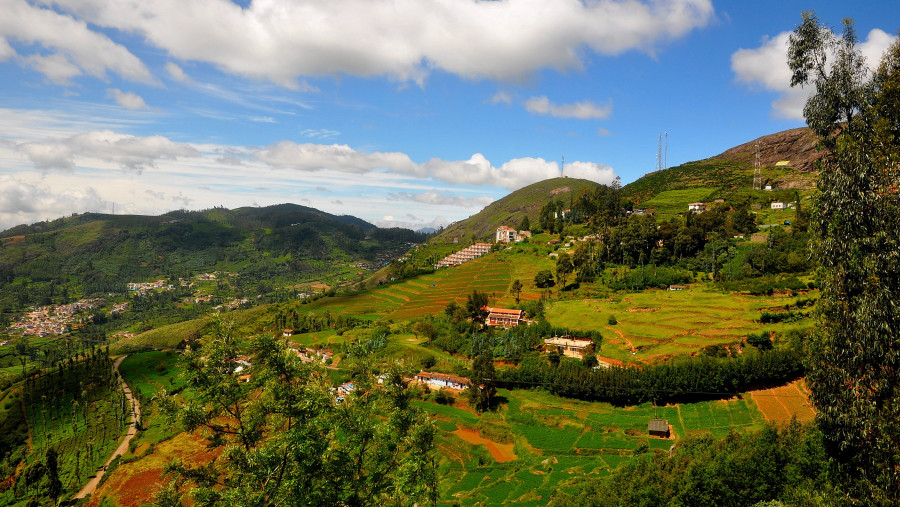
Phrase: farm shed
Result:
[658,428]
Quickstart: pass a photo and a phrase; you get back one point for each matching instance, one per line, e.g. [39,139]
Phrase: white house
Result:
[505,234]
[698,207]
[570,347]
[779,205]
[440,380]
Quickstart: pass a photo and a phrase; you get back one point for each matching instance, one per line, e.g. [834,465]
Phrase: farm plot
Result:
[676,201]
[426,294]
[656,324]
[558,441]
[780,404]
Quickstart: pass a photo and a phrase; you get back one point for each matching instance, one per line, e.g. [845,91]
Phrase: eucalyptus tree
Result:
[854,368]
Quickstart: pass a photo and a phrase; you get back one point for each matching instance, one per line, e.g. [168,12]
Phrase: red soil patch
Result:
[500,452]
[134,484]
[781,404]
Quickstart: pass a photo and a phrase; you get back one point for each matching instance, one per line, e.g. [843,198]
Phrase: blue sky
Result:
[406,112]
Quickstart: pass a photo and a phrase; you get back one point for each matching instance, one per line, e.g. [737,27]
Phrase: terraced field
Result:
[656,324]
[426,294]
[556,441]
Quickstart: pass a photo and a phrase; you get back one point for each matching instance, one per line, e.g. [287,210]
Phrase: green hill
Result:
[510,210]
[55,261]
[731,172]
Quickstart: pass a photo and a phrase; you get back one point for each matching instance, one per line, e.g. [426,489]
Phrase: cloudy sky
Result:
[402,112]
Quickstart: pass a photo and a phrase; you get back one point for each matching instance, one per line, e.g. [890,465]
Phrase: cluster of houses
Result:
[143,287]
[119,308]
[234,304]
[700,207]
[51,321]
[464,255]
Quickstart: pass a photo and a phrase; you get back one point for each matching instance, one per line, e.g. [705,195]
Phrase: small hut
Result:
[658,428]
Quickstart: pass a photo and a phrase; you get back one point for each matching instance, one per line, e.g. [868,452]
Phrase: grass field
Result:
[656,324]
[671,202]
[557,441]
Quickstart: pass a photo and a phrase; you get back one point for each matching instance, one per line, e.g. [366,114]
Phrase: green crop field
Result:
[655,324]
[426,294]
[676,201]
[558,441]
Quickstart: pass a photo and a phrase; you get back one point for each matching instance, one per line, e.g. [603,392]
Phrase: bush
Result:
[612,320]
[544,279]
[428,362]
[443,397]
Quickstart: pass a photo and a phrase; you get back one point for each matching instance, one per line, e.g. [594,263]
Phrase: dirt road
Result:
[123,447]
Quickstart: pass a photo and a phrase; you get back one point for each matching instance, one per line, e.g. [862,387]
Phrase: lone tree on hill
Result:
[476,306]
[854,373]
[517,289]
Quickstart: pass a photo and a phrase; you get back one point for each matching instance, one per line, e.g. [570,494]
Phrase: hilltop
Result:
[510,210]
[731,172]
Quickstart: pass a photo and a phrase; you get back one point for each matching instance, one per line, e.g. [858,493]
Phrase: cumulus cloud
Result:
[406,39]
[442,199]
[766,67]
[583,110]
[477,170]
[6,51]
[126,151]
[23,202]
[74,47]
[127,100]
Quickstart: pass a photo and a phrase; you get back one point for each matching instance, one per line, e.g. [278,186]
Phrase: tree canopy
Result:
[855,360]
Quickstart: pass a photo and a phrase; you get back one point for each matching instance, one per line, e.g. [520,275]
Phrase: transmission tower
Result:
[659,161]
[757,175]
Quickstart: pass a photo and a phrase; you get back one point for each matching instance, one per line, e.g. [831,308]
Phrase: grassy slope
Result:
[511,209]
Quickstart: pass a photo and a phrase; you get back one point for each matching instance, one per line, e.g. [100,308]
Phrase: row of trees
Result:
[684,380]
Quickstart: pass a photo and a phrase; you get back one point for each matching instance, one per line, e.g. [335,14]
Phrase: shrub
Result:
[612,320]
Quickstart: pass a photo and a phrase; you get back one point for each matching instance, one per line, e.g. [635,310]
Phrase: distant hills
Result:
[96,253]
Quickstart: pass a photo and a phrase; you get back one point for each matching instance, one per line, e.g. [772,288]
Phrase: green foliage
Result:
[739,470]
[287,442]
[544,279]
[853,368]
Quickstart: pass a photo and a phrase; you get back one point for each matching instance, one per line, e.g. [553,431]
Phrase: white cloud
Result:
[501,97]
[766,66]
[125,151]
[75,47]
[263,119]
[319,133]
[583,110]
[6,51]
[442,199]
[25,202]
[404,39]
[602,132]
[56,67]
[127,100]
[177,73]
[600,173]
[478,170]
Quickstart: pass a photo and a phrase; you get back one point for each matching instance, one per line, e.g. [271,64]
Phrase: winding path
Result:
[123,447]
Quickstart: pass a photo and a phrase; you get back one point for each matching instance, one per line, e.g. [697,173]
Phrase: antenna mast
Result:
[562,167]
[659,161]
[757,175]
[666,153]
